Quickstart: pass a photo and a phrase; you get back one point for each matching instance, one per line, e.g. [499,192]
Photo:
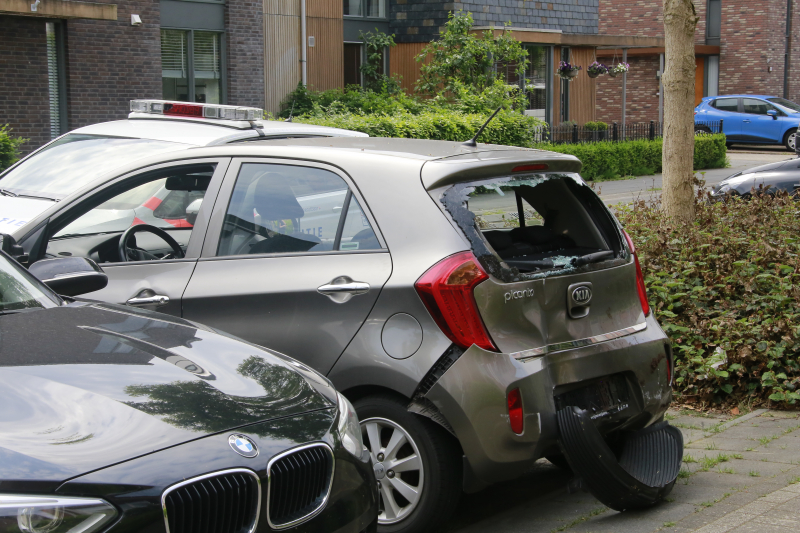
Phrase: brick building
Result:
[550,30]
[740,47]
[71,63]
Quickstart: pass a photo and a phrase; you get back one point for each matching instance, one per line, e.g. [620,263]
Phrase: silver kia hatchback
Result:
[479,305]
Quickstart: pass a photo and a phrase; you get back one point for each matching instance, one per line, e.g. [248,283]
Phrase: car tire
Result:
[790,139]
[387,418]
[701,130]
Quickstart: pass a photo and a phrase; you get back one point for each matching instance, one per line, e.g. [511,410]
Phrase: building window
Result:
[712,76]
[375,9]
[55,78]
[536,81]
[191,66]
[713,22]
[353,53]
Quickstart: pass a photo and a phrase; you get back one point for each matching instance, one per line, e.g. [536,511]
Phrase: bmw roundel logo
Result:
[243,445]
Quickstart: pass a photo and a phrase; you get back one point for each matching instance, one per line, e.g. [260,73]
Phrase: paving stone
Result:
[721,442]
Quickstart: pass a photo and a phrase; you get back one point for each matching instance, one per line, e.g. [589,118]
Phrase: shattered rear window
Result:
[526,227]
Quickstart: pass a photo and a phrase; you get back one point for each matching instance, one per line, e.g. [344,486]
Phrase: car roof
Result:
[204,132]
[422,149]
[764,97]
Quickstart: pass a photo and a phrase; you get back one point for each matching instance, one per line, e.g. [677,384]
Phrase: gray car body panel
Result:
[399,180]
[472,395]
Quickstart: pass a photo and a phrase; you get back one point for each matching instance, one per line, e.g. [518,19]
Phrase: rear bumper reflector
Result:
[579,343]
[645,472]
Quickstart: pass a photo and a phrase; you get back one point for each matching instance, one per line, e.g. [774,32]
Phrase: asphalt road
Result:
[649,187]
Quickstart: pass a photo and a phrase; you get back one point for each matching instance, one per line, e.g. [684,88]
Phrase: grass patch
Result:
[595,512]
[707,463]
[689,459]
[754,473]
[737,456]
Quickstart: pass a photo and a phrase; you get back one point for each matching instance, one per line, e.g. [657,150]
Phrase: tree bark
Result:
[680,21]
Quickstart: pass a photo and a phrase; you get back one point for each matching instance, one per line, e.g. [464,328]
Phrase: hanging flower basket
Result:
[619,68]
[596,69]
[566,71]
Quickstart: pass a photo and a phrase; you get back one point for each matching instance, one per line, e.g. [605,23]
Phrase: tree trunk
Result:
[680,20]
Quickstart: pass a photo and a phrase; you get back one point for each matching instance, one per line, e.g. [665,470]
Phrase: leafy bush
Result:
[507,128]
[596,126]
[9,147]
[602,160]
[726,289]
[352,99]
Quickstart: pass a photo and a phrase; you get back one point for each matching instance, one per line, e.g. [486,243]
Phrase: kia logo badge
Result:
[582,295]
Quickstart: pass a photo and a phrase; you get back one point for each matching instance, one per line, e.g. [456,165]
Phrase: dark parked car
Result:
[478,304]
[770,178]
[124,420]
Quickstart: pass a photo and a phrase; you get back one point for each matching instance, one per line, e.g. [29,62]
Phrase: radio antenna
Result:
[474,141]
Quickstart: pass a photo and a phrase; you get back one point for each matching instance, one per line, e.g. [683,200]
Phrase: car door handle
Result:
[746,121]
[343,288]
[155,299]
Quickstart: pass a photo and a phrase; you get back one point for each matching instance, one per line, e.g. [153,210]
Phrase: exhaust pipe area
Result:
[644,473]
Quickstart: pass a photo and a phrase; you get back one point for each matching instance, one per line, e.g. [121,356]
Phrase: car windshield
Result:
[790,106]
[75,160]
[20,291]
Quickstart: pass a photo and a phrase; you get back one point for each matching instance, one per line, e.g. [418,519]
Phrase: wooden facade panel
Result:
[330,9]
[402,61]
[326,57]
[282,7]
[582,91]
[281,58]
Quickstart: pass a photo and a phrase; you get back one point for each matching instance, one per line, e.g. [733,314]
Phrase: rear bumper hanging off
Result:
[645,472]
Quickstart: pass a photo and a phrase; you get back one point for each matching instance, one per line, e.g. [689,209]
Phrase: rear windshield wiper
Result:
[595,257]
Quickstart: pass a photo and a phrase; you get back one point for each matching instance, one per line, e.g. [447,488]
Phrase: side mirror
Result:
[70,276]
[192,210]
[773,114]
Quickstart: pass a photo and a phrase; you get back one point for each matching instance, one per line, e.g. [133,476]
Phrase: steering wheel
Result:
[128,253]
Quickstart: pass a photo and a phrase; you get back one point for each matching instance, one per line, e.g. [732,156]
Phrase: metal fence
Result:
[636,131]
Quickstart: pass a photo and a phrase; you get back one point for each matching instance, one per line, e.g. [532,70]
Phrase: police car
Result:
[153,127]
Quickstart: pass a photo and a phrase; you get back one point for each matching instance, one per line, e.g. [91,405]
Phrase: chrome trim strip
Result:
[210,475]
[580,343]
[322,504]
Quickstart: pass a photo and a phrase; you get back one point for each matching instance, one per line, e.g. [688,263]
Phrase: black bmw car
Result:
[117,419]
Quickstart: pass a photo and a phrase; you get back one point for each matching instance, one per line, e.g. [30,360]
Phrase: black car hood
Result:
[84,386]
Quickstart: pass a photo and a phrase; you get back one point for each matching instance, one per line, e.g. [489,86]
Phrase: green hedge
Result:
[9,147]
[605,159]
[507,128]
[726,289]
[601,160]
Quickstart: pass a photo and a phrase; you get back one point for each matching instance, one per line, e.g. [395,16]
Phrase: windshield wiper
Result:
[6,192]
[592,258]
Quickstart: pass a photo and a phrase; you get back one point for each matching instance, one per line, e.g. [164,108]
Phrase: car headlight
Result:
[348,427]
[723,188]
[53,514]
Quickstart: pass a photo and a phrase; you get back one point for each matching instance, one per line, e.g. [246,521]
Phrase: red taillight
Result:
[446,289]
[183,110]
[640,288]
[515,414]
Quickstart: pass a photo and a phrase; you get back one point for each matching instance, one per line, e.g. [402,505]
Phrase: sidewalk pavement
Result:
[740,475]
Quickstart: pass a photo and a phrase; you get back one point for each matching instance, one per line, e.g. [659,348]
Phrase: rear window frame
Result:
[451,200]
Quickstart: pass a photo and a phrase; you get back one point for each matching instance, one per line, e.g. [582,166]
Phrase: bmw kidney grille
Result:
[222,502]
[299,484]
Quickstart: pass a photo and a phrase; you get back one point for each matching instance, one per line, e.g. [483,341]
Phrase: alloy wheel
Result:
[398,468]
[791,140]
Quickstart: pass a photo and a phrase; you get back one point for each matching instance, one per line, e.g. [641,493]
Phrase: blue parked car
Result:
[750,119]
